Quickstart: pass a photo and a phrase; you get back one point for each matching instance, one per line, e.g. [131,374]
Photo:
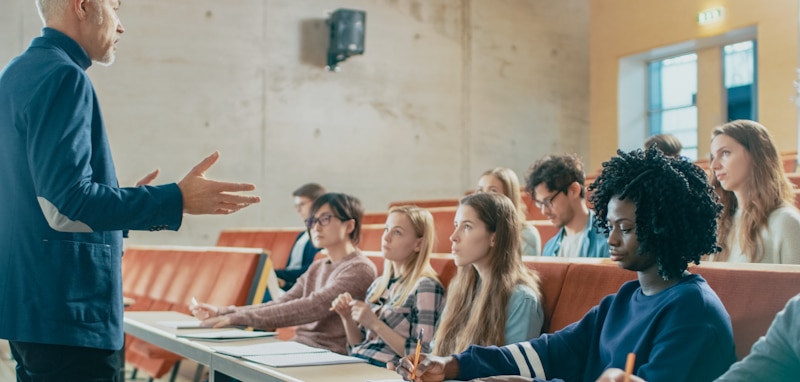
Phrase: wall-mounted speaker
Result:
[347,35]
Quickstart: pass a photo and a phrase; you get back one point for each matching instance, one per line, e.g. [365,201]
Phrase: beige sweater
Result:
[308,303]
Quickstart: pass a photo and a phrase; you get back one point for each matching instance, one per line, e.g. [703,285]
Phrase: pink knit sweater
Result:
[308,303]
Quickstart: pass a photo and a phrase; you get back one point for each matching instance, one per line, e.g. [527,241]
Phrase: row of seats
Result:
[752,293]
[166,278]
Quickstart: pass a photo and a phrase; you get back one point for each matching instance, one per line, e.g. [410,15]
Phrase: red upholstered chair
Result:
[443,218]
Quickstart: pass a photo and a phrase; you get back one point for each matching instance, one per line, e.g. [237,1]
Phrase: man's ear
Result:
[80,8]
[574,189]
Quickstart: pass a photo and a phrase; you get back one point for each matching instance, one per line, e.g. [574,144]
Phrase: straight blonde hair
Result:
[422,221]
[768,189]
[476,307]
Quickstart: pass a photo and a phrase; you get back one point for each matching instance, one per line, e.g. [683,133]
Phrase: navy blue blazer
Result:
[62,211]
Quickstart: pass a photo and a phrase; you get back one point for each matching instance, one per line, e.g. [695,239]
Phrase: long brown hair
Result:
[477,308]
[767,177]
[419,264]
[511,189]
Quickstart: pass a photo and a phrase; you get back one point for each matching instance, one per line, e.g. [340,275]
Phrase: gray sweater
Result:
[308,303]
[774,357]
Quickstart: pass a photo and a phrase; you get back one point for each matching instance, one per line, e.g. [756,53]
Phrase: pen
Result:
[194,301]
[629,366]
[416,355]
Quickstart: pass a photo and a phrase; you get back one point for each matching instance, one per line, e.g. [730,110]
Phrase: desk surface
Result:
[143,325]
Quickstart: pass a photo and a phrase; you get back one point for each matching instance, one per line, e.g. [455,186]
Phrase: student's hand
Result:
[430,369]
[204,311]
[617,375]
[361,313]
[216,322]
[341,305]
[147,178]
[206,196]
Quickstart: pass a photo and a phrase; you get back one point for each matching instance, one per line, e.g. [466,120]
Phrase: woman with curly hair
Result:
[747,171]
[659,214]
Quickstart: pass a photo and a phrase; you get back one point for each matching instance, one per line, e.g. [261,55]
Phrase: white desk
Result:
[143,325]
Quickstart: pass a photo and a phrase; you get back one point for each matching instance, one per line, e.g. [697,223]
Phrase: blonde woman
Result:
[405,301]
[505,181]
[494,298]
[759,223]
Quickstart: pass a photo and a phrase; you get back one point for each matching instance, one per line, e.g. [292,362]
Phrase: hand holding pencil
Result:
[619,375]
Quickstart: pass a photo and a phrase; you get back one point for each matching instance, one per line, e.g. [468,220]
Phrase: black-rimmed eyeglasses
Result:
[547,202]
[322,220]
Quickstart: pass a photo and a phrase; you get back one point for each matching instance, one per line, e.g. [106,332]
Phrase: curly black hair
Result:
[676,207]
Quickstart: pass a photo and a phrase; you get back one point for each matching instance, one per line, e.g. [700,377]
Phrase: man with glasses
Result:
[303,251]
[555,183]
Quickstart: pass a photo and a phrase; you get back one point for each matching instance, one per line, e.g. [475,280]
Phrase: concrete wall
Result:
[445,90]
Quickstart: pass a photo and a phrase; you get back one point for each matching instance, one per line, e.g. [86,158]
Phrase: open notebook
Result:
[303,359]
[224,335]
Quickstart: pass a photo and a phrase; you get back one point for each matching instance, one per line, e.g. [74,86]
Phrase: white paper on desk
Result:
[275,290]
[270,348]
[303,359]
[225,335]
[189,324]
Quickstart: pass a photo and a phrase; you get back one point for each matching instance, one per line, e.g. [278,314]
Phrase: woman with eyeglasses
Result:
[494,298]
[405,303]
[505,181]
[335,226]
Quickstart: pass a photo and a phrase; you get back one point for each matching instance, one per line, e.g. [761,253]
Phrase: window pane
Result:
[682,123]
[739,61]
[678,81]
[739,64]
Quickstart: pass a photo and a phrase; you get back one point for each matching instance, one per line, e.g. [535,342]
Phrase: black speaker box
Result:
[347,35]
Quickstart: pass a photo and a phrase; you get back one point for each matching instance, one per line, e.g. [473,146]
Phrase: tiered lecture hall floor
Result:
[7,368]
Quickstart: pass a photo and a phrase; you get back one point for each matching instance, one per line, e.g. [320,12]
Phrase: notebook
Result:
[224,335]
[270,348]
[303,359]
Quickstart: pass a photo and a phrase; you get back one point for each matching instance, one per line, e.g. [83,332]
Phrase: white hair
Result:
[49,9]
[52,9]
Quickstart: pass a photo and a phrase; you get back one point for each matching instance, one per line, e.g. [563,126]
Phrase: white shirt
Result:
[781,238]
[571,244]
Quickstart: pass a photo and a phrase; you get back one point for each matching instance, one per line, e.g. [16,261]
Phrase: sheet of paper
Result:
[270,348]
[272,284]
[303,359]
[224,335]
[189,324]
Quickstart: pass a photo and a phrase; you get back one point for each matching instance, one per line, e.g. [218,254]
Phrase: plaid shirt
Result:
[421,310]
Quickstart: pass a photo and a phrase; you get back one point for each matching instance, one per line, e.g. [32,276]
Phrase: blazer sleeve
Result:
[63,144]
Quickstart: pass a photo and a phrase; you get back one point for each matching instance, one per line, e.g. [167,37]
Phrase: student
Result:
[672,320]
[747,171]
[335,225]
[406,300]
[505,181]
[667,143]
[303,251]
[775,357]
[492,284]
[555,183]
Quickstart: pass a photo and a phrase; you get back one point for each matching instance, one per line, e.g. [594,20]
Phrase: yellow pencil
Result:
[416,356]
[629,366]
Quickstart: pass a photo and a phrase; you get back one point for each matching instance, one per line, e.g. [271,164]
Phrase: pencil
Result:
[629,366]
[416,356]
